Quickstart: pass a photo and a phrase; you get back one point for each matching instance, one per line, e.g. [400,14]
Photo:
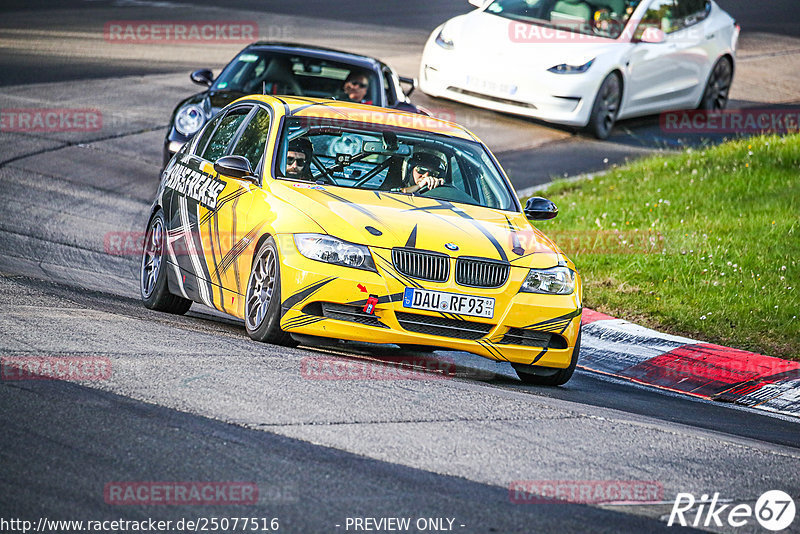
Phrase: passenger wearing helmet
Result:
[425,170]
[298,158]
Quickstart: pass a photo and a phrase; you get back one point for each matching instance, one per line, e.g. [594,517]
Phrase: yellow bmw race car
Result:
[308,217]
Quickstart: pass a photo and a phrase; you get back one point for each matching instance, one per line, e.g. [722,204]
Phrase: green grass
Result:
[704,244]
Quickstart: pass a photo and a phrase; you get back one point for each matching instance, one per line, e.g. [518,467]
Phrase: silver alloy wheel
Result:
[719,84]
[260,289]
[151,258]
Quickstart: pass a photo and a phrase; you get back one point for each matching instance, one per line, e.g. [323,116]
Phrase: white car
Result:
[584,63]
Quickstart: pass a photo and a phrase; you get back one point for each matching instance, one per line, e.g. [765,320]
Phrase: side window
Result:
[254,138]
[228,125]
[388,84]
[674,15]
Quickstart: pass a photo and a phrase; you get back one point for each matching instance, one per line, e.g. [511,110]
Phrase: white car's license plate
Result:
[424,299]
[490,86]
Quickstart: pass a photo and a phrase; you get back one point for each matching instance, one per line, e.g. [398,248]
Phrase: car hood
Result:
[387,220]
[519,45]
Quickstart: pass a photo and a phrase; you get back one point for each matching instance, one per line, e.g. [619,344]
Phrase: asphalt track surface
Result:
[193,399]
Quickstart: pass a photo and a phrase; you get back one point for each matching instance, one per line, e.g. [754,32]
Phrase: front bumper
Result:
[327,300]
[559,98]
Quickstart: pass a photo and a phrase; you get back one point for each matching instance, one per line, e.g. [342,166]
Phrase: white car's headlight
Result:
[189,119]
[445,38]
[555,281]
[336,251]
[565,68]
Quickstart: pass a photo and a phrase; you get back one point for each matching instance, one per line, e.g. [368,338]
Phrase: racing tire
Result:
[153,273]
[548,376]
[262,312]
[606,107]
[715,95]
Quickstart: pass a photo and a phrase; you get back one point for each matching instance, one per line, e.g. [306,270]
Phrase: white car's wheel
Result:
[715,97]
[606,107]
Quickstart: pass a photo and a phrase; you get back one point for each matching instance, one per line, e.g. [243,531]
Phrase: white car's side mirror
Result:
[653,35]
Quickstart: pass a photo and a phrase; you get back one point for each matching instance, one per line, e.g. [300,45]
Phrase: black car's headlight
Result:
[189,119]
[330,249]
[555,281]
[565,68]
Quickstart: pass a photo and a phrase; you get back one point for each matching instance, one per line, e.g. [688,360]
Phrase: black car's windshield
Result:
[390,159]
[603,18]
[264,71]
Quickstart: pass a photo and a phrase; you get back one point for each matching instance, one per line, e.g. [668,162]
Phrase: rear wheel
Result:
[153,274]
[606,107]
[715,97]
[548,376]
[263,297]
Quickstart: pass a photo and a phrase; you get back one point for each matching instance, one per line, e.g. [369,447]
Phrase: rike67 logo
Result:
[774,510]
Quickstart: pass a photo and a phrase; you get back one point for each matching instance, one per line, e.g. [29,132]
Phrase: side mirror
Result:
[540,209]
[412,82]
[653,35]
[235,167]
[202,77]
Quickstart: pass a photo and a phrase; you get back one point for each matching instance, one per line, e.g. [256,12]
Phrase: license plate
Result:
[489,86]
[424,299]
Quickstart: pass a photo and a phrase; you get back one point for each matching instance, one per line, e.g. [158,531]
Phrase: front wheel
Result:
[606,107]
[545,376]
[263,297]
[715,96]
[153,273]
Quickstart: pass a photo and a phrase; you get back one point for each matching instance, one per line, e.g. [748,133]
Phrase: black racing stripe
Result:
[302,321]
[222,201]
[378,194]
[539,356]
[213,233]
[485,232]
[353,205]
[490,348]
[304,293]
[237,250]
[412,239]
[567,318]
[518,250]
[389,268]
[233,229]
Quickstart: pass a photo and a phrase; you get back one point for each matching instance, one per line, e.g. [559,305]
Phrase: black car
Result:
[286,69]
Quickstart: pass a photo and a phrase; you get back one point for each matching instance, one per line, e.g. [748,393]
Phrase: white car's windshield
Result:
[391,159]
[604,18]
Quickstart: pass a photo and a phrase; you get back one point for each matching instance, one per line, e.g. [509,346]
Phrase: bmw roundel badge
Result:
[451,246]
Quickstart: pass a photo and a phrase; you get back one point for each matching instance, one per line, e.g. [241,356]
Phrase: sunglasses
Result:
[362,85]
[425,170]
[301,162]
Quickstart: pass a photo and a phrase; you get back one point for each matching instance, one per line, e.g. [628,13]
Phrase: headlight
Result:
[189,120]
[332,250]
[571,69]
[445,39]
[555,281]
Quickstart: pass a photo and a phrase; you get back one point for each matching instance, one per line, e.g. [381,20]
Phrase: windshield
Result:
[603,18]
[259,71]
[391,159]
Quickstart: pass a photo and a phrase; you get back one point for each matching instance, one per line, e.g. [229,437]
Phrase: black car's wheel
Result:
[715,97]
[606,107]
[545,376]
[263,297]
[153,276]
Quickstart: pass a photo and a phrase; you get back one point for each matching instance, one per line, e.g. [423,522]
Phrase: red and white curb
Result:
[624,350]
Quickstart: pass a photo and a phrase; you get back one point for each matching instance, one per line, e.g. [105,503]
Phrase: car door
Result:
[200,209]
[667,75]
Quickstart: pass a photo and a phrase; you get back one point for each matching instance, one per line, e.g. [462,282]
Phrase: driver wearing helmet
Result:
[425,170]
[298,159]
